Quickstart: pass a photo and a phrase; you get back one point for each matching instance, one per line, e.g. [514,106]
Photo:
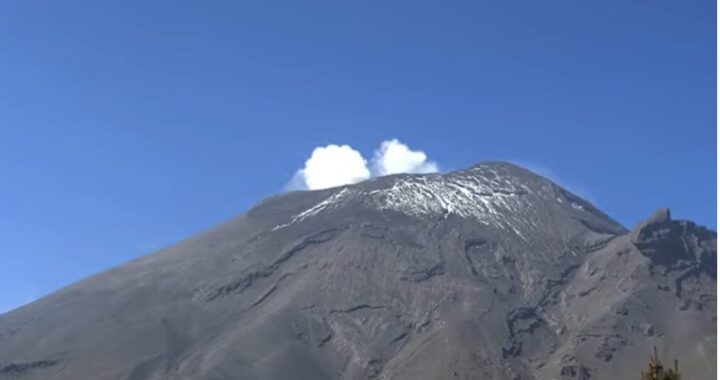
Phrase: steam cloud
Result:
[395,157]
[336,165]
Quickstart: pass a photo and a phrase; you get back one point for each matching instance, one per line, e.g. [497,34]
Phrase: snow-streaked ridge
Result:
[480,193]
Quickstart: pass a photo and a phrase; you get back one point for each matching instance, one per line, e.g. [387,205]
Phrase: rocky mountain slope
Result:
[491,272]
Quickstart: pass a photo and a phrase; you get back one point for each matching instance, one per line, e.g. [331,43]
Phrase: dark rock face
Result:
[574,372]
[20,369]
[676,245]
[491,272]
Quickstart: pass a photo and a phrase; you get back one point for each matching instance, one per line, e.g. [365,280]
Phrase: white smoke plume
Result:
[330,166]
[394,157]
[337,165]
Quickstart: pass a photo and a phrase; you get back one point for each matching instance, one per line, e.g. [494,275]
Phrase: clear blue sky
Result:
[127,125]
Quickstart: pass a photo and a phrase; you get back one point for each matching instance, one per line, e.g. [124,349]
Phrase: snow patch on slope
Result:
[481,194]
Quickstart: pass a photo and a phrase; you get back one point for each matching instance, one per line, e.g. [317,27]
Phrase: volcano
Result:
[492,272]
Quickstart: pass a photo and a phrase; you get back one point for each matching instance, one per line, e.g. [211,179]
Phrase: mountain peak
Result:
[498,194]
[499,164]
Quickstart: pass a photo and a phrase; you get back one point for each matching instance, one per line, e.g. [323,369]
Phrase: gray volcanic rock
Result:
[491,272]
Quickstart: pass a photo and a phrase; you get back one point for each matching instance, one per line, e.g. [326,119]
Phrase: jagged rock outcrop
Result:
[491,272]
[676,245]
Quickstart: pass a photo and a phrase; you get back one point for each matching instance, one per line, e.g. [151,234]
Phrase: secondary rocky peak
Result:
[658,227]
[675,243]
[661,216]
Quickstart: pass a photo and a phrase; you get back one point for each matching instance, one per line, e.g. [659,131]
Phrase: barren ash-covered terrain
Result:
[492,272]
